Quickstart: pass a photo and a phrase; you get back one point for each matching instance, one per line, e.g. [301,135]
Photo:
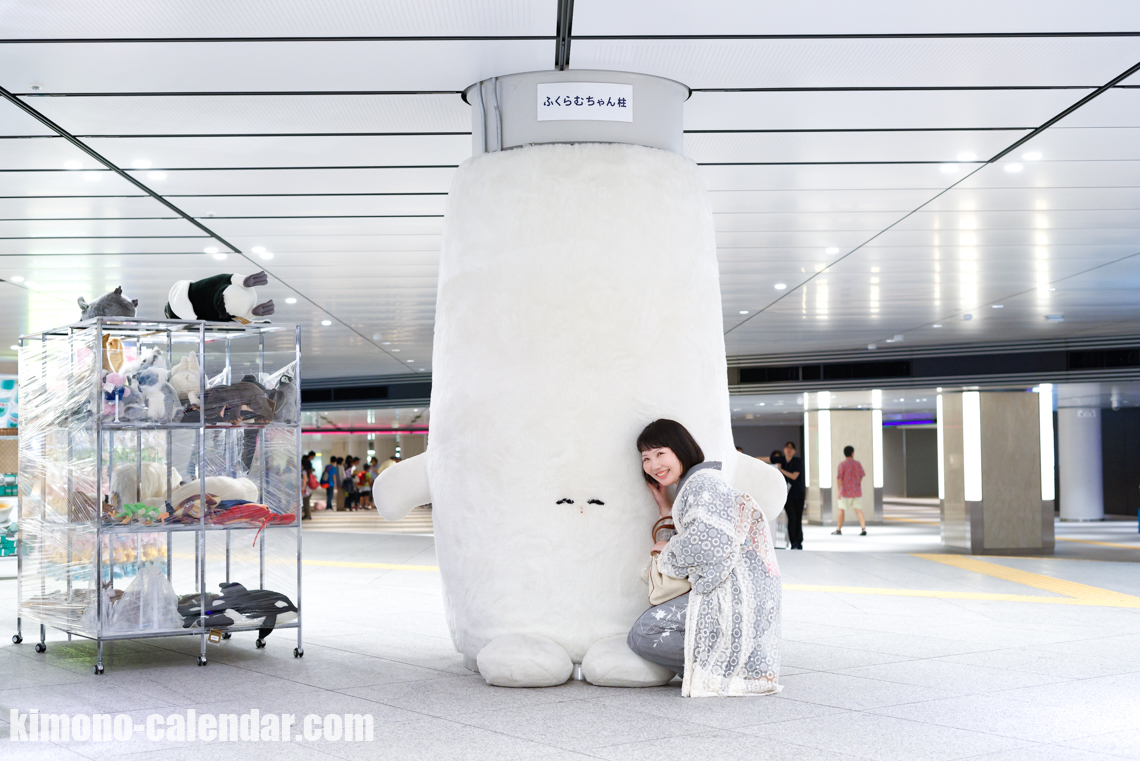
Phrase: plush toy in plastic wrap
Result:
[186,379]
[115,394]
[148,604]
[605,315]
[112,304]
[148,376]
[221,298]
[238,606]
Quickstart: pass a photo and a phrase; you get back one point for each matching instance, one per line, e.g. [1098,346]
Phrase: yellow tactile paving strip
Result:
[1070,592]
[1082,594]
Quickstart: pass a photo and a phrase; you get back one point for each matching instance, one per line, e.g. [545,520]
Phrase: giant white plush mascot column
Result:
[579,300]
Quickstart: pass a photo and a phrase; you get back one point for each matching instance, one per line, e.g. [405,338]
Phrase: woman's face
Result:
[662,465]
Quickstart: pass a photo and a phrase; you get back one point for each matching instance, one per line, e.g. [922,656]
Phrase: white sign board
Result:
[585,101]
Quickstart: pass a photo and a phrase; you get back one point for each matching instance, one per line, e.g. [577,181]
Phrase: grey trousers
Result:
[658,635]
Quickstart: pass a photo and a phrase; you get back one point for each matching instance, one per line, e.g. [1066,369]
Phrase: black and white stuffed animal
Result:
[221,298]
[112,304]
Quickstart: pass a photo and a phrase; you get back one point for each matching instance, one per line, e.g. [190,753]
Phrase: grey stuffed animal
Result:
[112,304]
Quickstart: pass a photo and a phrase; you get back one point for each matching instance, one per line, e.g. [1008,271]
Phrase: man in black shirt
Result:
[792,468]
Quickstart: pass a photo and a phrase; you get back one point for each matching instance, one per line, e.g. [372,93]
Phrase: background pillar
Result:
[991,462]
[856,428]
[1082,475]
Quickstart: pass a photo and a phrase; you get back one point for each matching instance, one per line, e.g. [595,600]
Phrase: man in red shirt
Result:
[850,480]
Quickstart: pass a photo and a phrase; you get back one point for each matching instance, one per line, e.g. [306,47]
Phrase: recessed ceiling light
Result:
[266,254]
[387,343]
[949,168]
[780,286]
[211,249]
[326,323]
[936,325]
[14,348]
[411,360]
[258,249]
[872,347]
[396,350]
[998,306]
[73,165]
[35,87]
[744,311]
[220,256]
[1031,156]
[30,284]
[832,250]
[874,269]
[156,175]
[16,279]
[290,300]
[967,317]
[1011,168]
[141,164]
[967,156]
[1055,317]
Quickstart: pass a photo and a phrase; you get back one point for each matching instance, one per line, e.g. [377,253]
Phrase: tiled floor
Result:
[868,675]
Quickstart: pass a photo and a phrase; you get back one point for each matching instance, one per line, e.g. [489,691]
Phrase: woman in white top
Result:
[730,621]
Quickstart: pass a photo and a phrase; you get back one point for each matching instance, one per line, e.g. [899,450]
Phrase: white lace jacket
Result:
[723,546]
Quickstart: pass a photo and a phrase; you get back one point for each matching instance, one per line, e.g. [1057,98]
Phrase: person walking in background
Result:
[329,481]
[791,466]
[307,486]
[850,479]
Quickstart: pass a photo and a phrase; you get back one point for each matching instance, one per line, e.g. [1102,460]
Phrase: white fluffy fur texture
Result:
[610,663]
[579,289]
[524,660]
[399,489]
[763,482]
[124,481]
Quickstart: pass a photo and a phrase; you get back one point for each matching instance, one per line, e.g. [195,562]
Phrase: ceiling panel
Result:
[1119,107]
[13,121]
[828,177]
[255,114]
[1045,174]
[44,153]
[333,229]
[57,246]
[821,147]
[678,17]
[810,221]
[195,152]
[989,62]
[1087,144]
[355,244]
[265,66]
[908,109]
[276,18]
[96,228]
[301,206]
[81,208]
[962,199]
[66,184]
[819,201]
[299,181]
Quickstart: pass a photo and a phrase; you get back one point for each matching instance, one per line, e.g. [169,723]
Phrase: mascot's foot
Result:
[610,663]
[524,660]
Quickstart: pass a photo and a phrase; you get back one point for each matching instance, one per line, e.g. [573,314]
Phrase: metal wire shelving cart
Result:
[155,456]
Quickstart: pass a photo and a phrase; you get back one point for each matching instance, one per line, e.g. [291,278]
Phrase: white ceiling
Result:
[844,147]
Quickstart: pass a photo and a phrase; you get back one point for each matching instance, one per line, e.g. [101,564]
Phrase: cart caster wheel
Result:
[98,670]
[201,660]
[226,635]
[41,647]
[298,652]
[259,643]
[17,639]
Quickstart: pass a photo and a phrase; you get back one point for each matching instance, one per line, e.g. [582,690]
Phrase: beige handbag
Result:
[663,588]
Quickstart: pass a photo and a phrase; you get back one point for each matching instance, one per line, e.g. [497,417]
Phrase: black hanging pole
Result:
[562,44]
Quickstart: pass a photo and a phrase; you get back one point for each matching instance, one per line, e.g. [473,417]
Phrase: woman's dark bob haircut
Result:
[671,434]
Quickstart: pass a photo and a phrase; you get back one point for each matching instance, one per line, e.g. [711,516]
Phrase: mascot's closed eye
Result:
[565,501]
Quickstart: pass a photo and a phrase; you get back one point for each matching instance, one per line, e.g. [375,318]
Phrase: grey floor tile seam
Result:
[439,671]
[746,735]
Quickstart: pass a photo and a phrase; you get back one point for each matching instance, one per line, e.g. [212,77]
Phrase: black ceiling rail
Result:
[310,38]
[111,166]
[562,43]
[863,36]
[1083,101]
[1097,92]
